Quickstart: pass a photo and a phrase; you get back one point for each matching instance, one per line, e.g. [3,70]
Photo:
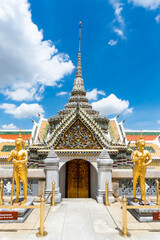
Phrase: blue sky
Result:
[120,59]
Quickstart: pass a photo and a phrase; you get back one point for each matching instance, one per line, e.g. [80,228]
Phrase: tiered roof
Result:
[78,96]
[79,108]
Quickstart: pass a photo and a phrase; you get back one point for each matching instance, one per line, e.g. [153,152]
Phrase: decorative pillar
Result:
[105,164]
[52,174]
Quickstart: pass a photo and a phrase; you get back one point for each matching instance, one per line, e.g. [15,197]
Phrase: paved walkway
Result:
[80,219]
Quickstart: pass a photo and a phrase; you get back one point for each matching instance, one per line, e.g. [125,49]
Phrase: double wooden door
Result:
[77,179]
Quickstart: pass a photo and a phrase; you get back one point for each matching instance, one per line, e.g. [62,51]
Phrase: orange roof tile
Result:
[145,137]
[13,135]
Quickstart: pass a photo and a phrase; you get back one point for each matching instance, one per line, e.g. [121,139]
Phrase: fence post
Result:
[1,193]
[124,216]
[41,232]
[107,202]
[157,187]
[53,194]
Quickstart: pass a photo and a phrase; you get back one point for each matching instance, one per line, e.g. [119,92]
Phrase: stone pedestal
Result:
[52,174]
[142,215]
[23,213]
[104,164]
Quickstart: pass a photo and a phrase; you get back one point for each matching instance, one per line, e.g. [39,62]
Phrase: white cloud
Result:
[60,85]
[118,31]
[157,18]
[112,105]
[26,60]
[20,94]
[158,121]
[22,111]
[61,93]
[118,8]
[112,42]
[92,95]
[151,4]
[101,92]
[10,126]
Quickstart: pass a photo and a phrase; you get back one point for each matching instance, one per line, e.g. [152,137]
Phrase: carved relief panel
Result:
[78,136]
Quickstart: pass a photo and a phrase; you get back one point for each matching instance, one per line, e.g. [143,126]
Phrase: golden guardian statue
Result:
[141,159]
[19,157]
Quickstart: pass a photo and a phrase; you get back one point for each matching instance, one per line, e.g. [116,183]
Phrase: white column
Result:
[105,164]
[52,174]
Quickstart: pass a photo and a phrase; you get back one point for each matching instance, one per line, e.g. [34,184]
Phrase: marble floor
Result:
[80,219]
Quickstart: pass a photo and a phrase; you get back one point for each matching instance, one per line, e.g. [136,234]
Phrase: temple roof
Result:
[147,135]
[69,120]
[13,134]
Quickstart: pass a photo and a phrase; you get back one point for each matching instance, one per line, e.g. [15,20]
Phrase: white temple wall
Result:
[62,180]
[93,181]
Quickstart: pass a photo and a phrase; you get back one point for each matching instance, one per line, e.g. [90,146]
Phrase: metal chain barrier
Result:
[41,232]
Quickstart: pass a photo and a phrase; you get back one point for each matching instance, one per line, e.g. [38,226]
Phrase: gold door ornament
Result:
[78,179]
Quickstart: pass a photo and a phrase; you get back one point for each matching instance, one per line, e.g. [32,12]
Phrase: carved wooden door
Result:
[78,179]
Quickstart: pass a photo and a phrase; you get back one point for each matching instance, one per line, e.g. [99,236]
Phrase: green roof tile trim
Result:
[16,133]
[46,131]
[143,133]
[150,149]
[9,148]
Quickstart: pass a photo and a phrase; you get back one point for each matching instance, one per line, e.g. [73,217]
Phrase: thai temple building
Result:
[77,138]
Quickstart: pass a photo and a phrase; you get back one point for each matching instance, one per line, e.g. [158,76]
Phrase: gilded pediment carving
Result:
[78,136]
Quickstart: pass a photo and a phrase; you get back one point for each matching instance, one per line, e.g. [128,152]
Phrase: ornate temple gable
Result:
[61,128]
[78,136]
[69,120]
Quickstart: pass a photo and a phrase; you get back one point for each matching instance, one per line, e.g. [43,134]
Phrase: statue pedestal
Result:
[23,213]
[142,215]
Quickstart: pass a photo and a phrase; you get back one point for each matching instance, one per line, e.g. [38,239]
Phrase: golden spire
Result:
[20,136]
[79,68]
[141,134]
[80,36]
